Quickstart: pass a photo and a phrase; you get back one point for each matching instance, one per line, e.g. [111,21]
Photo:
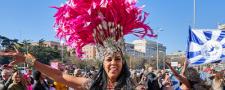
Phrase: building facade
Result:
[176,56]
[52,44]
[149,48]
[89,51]
[138,49]
[64,49]
[129,49]
[221,26]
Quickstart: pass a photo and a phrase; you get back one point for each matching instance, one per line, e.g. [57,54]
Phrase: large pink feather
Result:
[76,20]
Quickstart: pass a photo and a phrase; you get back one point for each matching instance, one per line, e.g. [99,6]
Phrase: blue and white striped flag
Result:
[206,46]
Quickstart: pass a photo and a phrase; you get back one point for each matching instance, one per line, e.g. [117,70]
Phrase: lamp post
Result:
[133,58]
[157,54]
[157,48]
[151,59]
[62,47]
[164,59]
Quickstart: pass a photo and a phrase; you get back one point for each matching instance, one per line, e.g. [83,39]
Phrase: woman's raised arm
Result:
[52,73]
[59,76]
[181,78]
[184,67]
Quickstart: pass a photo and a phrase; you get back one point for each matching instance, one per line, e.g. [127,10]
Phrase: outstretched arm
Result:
[184,67]
[181,78]
[59,76]
[52,73]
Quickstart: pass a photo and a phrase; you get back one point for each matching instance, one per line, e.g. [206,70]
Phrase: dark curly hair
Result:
[123,81]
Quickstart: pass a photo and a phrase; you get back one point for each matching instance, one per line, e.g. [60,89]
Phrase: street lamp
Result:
[164,58]
[157,54]
[157,48]
[62,44]
[133,58]
[151,59]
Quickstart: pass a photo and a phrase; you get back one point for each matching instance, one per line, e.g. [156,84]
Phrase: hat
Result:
[103,23]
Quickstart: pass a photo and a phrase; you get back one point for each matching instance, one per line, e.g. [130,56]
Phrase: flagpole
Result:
[194,14]
[194,22]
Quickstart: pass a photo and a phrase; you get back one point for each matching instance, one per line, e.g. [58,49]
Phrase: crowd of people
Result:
[27,79]
[179,78]
[175,78]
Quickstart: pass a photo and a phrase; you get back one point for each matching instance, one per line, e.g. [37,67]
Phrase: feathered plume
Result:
[82,22]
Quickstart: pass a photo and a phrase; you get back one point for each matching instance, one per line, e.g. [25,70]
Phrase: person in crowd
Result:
[218,81]
[140,75]
[144,80]
[153,82]
[48,82]
[134,77]
[151,69]
[39,84]
[223,73]
[163,71]
[206,75]
[77,73]
[179,68]
[28,79]
[166,82]
[93,72]
[6,78]
[159,77]
[18,82]
[207,68]
[189,78]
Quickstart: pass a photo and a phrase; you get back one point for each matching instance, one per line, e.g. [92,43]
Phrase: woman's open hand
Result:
[16,55]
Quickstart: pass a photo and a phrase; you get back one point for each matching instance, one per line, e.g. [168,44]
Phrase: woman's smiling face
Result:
[113,65]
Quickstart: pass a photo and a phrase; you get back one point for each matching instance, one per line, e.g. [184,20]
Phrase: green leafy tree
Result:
[43,53]
[7,44]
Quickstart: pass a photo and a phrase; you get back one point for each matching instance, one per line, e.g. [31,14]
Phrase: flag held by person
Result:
[206,46]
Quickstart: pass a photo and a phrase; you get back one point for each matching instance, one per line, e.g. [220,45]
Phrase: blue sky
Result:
[33,19]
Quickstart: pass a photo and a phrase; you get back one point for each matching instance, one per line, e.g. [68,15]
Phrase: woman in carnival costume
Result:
[103,23]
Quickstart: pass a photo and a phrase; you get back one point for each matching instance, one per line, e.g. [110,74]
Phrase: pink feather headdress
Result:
[100,22]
